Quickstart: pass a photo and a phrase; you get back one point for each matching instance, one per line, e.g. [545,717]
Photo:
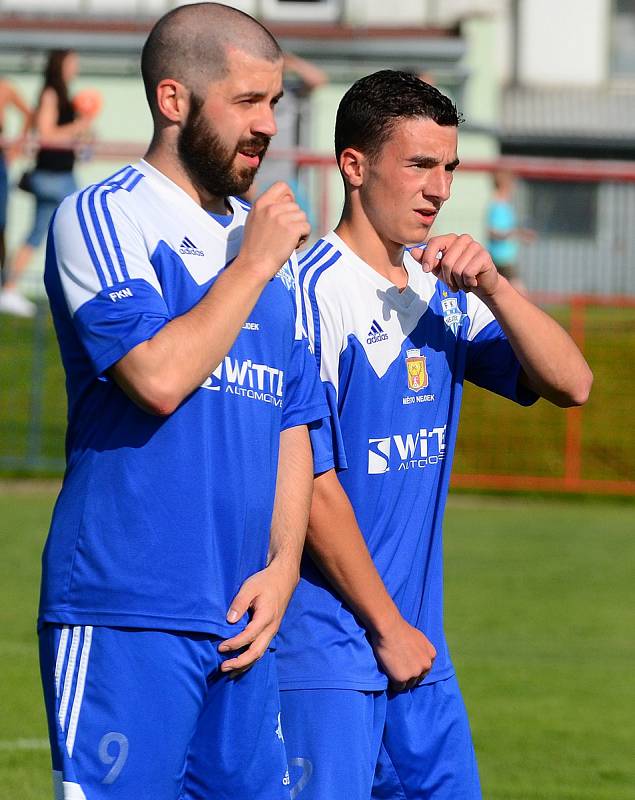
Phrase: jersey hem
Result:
[436,677]
[363,686]
[145,621]
[329,683]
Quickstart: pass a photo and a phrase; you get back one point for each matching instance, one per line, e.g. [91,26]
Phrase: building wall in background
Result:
[471,79]
[563,43]
[374,12]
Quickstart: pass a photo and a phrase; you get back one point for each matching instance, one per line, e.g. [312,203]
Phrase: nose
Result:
[438,183]
[265,122]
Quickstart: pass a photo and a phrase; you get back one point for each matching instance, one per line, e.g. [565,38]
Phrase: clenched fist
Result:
[275,227]
[460,262]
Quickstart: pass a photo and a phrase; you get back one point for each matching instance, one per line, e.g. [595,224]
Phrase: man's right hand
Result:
[275,227]
[405,655]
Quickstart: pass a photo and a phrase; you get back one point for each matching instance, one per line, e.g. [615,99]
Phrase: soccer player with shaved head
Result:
[370,702]
[176,538]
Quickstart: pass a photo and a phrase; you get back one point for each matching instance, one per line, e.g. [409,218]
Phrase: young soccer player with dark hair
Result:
[176,539]
[371,704]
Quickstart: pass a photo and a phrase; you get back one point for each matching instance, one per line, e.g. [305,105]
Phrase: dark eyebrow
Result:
[429,162]
[257,96]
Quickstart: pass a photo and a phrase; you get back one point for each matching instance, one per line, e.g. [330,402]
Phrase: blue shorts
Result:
[412,745]
[137,714]
[333,739]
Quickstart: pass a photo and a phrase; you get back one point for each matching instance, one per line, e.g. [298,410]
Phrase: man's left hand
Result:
[460,262]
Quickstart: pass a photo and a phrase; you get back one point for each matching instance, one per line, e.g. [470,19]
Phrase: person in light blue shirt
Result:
[176,538]
[370,701]
[504,234]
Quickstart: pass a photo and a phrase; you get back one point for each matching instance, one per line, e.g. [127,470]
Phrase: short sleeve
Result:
[491,362]
[111,289]
[304,400]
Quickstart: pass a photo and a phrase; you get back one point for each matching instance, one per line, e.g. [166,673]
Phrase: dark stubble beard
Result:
[208,162]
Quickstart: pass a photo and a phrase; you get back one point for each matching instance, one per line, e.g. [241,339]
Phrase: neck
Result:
[165,160]
[380,253]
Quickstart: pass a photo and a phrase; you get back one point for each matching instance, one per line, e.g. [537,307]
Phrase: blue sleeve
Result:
[109,328]
[304,400]
[326,438]
[492,364]
[111,289]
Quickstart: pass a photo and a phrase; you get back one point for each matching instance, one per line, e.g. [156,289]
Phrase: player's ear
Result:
[352,164]
[172,100]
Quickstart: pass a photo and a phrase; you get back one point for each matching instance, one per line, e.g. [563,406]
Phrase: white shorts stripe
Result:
[73,791]
[65,790]
[59,663]
[68,678]
[79,690]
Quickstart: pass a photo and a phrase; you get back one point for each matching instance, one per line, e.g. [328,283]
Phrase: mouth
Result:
[252,151]
[252,158]
[426,215]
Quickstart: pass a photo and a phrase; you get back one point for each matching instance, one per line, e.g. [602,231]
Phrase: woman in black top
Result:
[57,124]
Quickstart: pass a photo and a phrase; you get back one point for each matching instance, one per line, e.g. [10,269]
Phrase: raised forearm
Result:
[161,372]
[552,364]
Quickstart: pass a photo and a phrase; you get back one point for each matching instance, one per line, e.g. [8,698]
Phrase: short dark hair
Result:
[370,108]
[189,44]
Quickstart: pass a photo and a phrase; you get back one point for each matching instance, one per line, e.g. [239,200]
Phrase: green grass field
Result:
[540,616]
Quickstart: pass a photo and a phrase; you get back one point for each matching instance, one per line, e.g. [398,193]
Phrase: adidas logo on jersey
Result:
[376,333]
[188,248]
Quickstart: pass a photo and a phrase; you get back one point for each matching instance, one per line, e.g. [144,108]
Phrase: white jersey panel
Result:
[204,249]
[102,241]
[479,314]
[376,313]
[91,257]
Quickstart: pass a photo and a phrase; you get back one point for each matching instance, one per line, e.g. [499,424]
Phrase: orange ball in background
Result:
[88,102]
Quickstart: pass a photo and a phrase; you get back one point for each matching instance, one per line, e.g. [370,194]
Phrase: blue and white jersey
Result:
[393,365]
[160,519]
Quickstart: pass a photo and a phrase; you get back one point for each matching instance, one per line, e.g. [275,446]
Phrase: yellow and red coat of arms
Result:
[417,371]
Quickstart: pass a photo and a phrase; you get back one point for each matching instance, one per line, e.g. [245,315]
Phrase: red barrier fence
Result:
[590,449]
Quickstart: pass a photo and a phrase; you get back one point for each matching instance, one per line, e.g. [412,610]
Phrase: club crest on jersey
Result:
[417,371]
[452,314]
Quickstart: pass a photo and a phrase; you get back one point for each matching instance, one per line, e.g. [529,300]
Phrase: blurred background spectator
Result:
[58,124]
[9,97]
[503,232]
